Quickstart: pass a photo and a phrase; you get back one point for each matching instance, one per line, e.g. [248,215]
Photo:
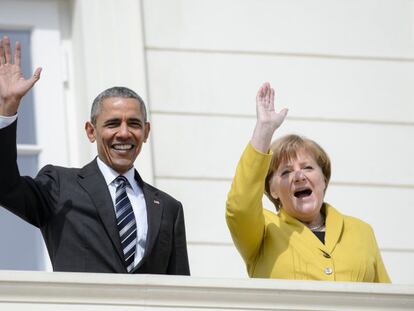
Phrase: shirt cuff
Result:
[6,121]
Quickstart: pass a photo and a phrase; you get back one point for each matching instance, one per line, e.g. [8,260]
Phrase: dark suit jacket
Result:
[74,211]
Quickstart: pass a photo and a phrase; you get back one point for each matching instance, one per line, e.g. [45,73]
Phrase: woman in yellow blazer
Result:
[307,239]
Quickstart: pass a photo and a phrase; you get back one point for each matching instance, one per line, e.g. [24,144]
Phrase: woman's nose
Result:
[299,176]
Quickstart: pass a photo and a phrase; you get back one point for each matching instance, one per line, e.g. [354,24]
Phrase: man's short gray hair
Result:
[116,91]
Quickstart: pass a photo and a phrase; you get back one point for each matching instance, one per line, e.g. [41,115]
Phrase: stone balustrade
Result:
[88,291]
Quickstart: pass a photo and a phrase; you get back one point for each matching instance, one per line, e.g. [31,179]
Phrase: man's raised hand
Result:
[13,86]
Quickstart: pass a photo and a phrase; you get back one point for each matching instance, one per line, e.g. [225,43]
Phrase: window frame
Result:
[41,18]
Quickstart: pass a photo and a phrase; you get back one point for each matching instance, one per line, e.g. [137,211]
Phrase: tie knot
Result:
[121,181]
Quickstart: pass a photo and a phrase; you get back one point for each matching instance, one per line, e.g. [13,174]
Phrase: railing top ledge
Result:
[97,279]
[182,292]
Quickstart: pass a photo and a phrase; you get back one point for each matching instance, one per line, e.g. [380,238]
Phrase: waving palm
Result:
[265,107]
[268,120]
[13,86]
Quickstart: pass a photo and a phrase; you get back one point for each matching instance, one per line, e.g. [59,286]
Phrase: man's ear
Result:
[147,128]
[90,131]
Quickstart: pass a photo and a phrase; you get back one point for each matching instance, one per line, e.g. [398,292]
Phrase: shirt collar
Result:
[110,174]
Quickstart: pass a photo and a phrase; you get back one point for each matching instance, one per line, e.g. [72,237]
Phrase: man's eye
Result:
[112,124]
[135,124]
[308,167]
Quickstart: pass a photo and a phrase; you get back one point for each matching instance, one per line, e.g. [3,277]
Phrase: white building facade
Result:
[345,70]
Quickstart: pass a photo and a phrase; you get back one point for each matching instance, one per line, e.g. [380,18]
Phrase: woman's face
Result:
[300,186]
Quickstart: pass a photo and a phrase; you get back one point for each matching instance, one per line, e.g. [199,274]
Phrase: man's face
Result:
[119,132]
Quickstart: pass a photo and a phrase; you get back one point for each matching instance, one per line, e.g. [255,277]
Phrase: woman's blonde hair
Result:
[286,148]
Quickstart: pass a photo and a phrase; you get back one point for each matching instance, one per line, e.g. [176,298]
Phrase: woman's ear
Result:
[273,191]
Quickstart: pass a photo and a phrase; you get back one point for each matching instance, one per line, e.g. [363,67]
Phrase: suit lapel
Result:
[92,180]
[154,214]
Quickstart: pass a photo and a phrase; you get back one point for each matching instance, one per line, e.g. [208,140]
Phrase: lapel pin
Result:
[157,202]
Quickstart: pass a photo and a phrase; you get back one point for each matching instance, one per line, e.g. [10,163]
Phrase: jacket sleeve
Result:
[178,264]
[381,275]
[22,195]
[244,209]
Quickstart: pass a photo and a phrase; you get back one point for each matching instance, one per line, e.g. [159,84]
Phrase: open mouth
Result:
[122,147]
[303,193]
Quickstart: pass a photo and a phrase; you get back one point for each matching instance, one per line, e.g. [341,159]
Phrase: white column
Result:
[108,50]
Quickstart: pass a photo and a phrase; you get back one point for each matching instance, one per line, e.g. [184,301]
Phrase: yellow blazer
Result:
[279,246]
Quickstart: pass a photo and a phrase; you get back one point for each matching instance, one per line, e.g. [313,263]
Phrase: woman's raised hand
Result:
[268,120]
[265,107]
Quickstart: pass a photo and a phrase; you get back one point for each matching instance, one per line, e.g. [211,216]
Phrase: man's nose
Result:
[123,130]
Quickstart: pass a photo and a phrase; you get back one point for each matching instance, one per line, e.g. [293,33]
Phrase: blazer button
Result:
[328,271]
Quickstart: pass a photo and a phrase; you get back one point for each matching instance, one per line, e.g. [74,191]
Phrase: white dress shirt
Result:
[136,196]
[6,121]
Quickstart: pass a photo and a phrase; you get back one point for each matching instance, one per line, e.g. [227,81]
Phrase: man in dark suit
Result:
[102,217]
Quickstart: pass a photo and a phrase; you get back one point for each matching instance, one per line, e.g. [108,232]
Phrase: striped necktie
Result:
[126,221]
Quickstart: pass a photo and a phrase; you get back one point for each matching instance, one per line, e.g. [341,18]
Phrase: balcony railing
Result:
[76,291]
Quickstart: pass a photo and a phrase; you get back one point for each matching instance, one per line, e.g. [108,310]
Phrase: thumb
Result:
[33,79]
[36,76]
[284,112]
[28,84]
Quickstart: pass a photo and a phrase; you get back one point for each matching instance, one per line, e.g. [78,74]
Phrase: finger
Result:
[269,91]
[7,50]
[260,93]
[272,99]
[17,53]
[266,88]
[1,52]
[267,94]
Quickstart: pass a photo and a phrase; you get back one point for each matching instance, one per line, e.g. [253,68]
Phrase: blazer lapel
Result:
[303,239]
[303,236]
[92,180]
[335,224]
[154,214]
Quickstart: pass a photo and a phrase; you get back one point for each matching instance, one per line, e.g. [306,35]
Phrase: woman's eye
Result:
[308,167]
[284,173]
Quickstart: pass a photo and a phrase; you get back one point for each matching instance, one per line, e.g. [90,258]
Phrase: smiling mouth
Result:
[122,147]
[302,193]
